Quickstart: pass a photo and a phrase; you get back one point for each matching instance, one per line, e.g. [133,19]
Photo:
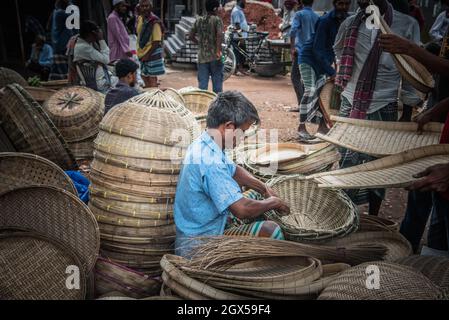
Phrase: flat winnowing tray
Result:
[390,172]
[380,138]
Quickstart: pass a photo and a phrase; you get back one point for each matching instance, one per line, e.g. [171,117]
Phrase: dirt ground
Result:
[274,97]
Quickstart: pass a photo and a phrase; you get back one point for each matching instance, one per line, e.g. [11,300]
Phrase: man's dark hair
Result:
[231,106]
[307,2]
[211,5]
[87,27]
[125,67]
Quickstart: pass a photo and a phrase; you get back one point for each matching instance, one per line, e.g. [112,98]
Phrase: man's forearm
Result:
[244,178]
[249,209]
[432,62]
[440,111]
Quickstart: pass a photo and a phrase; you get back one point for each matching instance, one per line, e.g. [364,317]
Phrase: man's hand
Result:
[281,207]
[99,35]
[395,44]
[422,119]
[294,53]
[435,178]
[269,193]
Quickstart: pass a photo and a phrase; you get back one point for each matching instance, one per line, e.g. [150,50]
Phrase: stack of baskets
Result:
[29,129]
[272,160]
[77,112]
[137,160]
[8,76]
[198,101]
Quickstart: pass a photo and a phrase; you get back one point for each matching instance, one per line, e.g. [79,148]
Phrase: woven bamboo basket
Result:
[155,249]
[373,223]
[173,93]
[115,144]
[111,196]
[180,290]
[315,215]
[76,112]
[34,268]
[82,150]
[136,164]
[198,101]
[159,100]
[380,138]
[149,265]
[326,97]
[397,246]
[139,240]
[9,76]
[5,143]
[111,276]
[40,94]
[56,214]
[22,169]
[433,267]
[166,230]
[411,70]
[135,210]
[112,172]
[397,282]
[395,171]
[55,84]
[29,128]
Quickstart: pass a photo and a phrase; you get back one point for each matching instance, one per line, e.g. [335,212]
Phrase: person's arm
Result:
[156,38]
[250,209]
[437,113]
[46,57]
[192,33]
[294,30]
[101,56]
[246,179]
[219,36]
[319,47]
[340,39]
[397,45]
[436,28]
[435,178]
[115,29]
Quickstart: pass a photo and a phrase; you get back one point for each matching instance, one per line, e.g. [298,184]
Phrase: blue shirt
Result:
[119,94]
[238,16]
[60,34]
[303,27]
[45,58]
[205,191]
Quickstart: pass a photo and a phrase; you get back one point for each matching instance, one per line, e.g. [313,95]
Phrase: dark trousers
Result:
[296,80]
[240,58]
[214,71]
[36,68]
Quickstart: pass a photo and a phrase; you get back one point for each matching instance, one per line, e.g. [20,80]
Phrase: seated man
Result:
[91,48]
[126,71]
[41,58]
[209,200]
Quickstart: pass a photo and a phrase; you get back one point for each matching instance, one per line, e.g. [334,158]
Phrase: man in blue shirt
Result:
[41,58]
[238,20]
[209,185]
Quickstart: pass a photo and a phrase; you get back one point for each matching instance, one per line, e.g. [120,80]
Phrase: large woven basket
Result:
[55,213]
[40,94]
[374,223]
[397,246]
[110,276]
[5,143]
[82,150]
[433,267]
[396,171]
[380,138]
[316,214]
[22,169]
[76,112]
[198,101]
[35,267]
[29,128]
[396,282]
[175,95]
[8,76]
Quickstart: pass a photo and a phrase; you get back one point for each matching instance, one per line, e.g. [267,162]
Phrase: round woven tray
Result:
[162,240]
[433,267]
[55,213]
[135,210]
[23,169]
[112,276]
[30,130]
[5,143]
[82,150]
[398,247]
[134,261]
[144,250]
[396,282]
[130,176]
[136,164]
[34,268]
[8,76]
[160,231]
[76,112]
[115,144]
[147,124]
[373,223]
[316,214]
[198,101]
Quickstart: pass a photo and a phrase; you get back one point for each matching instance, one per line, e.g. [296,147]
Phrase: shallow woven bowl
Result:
[316,214]
[198,101]
[396,282]
[8,76]
[34,268]
[56,214]
[23,169]
[433,267]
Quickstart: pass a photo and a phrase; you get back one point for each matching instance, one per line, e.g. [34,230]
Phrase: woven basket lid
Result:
[188,89]
[55,213]
[396,282]
[111,276]
[147,124]
[29,128]
[5,143]
[34,268]
[8,76]
[433,267]
[22,169]
[76,112]
[316,214]
[198,101]
[175,95]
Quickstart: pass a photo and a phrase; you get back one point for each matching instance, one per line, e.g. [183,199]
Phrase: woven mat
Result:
[391,172]
[379,138]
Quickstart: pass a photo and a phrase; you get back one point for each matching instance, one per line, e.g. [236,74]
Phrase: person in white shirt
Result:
[439,27]
[91,47]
